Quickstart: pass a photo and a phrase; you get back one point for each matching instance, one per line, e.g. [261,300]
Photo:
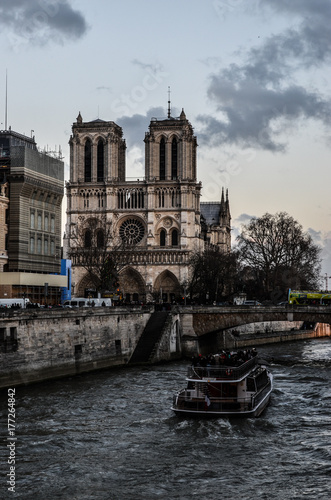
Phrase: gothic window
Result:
[52,247]
[161,198]
[174,159]
[31,244]
[162,238]
[100,161]
[39,245]
[174,238]
[88,161]
[131,198]
[32,220]
[132,231]
[46,247]
[120,202]
[87,239]
[46,223]
[175,197]
[100,239]
[52,224]
[162,159]
[39,222]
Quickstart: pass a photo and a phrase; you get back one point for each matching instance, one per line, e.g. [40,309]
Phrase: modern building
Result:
[32,186]
[160,216]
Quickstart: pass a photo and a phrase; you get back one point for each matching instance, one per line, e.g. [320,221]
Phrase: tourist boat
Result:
[236,384]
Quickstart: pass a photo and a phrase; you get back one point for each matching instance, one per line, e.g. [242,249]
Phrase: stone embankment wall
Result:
[44,344]
[252,340]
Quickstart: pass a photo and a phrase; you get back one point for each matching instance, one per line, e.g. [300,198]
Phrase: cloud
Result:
[104,88]
[259,99]
[41,21]
[244,218]
[153,68]
[135,126]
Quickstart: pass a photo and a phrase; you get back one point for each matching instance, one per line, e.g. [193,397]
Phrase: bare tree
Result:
[93,247]
[278,254]
[213,275]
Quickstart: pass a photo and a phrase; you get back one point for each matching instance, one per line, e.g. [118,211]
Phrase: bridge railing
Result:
[221,372]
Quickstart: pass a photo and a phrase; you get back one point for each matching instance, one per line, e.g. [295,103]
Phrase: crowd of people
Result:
[225,358]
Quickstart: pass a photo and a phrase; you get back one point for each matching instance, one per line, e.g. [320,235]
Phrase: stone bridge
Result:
[204,320]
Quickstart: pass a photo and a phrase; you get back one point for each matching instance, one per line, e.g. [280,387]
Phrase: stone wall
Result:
[41,345]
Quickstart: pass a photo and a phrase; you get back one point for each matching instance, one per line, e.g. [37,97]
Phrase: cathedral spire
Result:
[169,104]
[222,199]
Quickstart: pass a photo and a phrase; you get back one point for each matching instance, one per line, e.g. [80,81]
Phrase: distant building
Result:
[160,214]
[31,184]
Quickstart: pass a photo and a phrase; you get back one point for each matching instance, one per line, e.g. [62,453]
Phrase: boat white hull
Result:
[202,410]
[255,412]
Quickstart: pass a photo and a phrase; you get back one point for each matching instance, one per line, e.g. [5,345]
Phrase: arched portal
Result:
[132,285]
[166,287]
[86,288]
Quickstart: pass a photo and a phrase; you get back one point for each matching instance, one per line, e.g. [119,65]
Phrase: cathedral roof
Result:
[210,211]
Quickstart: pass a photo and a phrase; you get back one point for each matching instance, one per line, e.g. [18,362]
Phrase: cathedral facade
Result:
[159,218]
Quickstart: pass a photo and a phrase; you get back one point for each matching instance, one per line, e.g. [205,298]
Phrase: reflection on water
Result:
[112,435]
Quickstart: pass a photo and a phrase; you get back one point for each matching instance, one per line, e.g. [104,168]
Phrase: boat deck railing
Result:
[222,372]
[184,401]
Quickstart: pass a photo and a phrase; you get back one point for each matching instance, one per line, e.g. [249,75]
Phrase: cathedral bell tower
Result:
[170,150]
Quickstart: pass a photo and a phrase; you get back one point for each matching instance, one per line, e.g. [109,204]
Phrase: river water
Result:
[111,435]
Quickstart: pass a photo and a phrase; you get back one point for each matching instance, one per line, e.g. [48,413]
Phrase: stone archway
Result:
[132,285]
[167,287]
[85,287]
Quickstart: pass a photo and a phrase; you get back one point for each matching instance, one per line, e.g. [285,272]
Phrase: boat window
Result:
[223,390]
[261,380]
[251,384]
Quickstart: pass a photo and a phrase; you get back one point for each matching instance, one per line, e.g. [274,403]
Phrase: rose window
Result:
[132,231]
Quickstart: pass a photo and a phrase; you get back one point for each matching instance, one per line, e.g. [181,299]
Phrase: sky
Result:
[253,77]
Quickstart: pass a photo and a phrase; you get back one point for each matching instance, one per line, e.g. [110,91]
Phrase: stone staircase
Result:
[150,337]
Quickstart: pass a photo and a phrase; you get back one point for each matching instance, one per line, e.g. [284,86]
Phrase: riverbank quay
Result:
[263,338]
[42,344]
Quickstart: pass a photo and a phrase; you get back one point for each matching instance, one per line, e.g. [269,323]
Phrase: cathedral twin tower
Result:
[157,223]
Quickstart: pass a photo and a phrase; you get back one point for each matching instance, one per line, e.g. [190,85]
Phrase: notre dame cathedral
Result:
[160,216]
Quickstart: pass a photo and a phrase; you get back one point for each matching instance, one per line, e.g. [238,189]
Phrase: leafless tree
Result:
[278,254]
[94,247]
[213,275]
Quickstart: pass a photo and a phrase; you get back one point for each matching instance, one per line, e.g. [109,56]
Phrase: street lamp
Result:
[326,280]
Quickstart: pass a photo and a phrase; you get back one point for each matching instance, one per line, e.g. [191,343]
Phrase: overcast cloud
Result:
[135,126]
[40,21]
[259,99]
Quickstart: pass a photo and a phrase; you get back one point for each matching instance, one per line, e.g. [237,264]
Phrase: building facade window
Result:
[100,161]
[39,245]
[162,238]
[162,159]
[100,239]
[88,161]
[174,238]
[52,224]
[46,222]
[174,159]
[39,222]
[52,247]
[32,221]
[87,239]
[161,198]
[46,246]
[31,244]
